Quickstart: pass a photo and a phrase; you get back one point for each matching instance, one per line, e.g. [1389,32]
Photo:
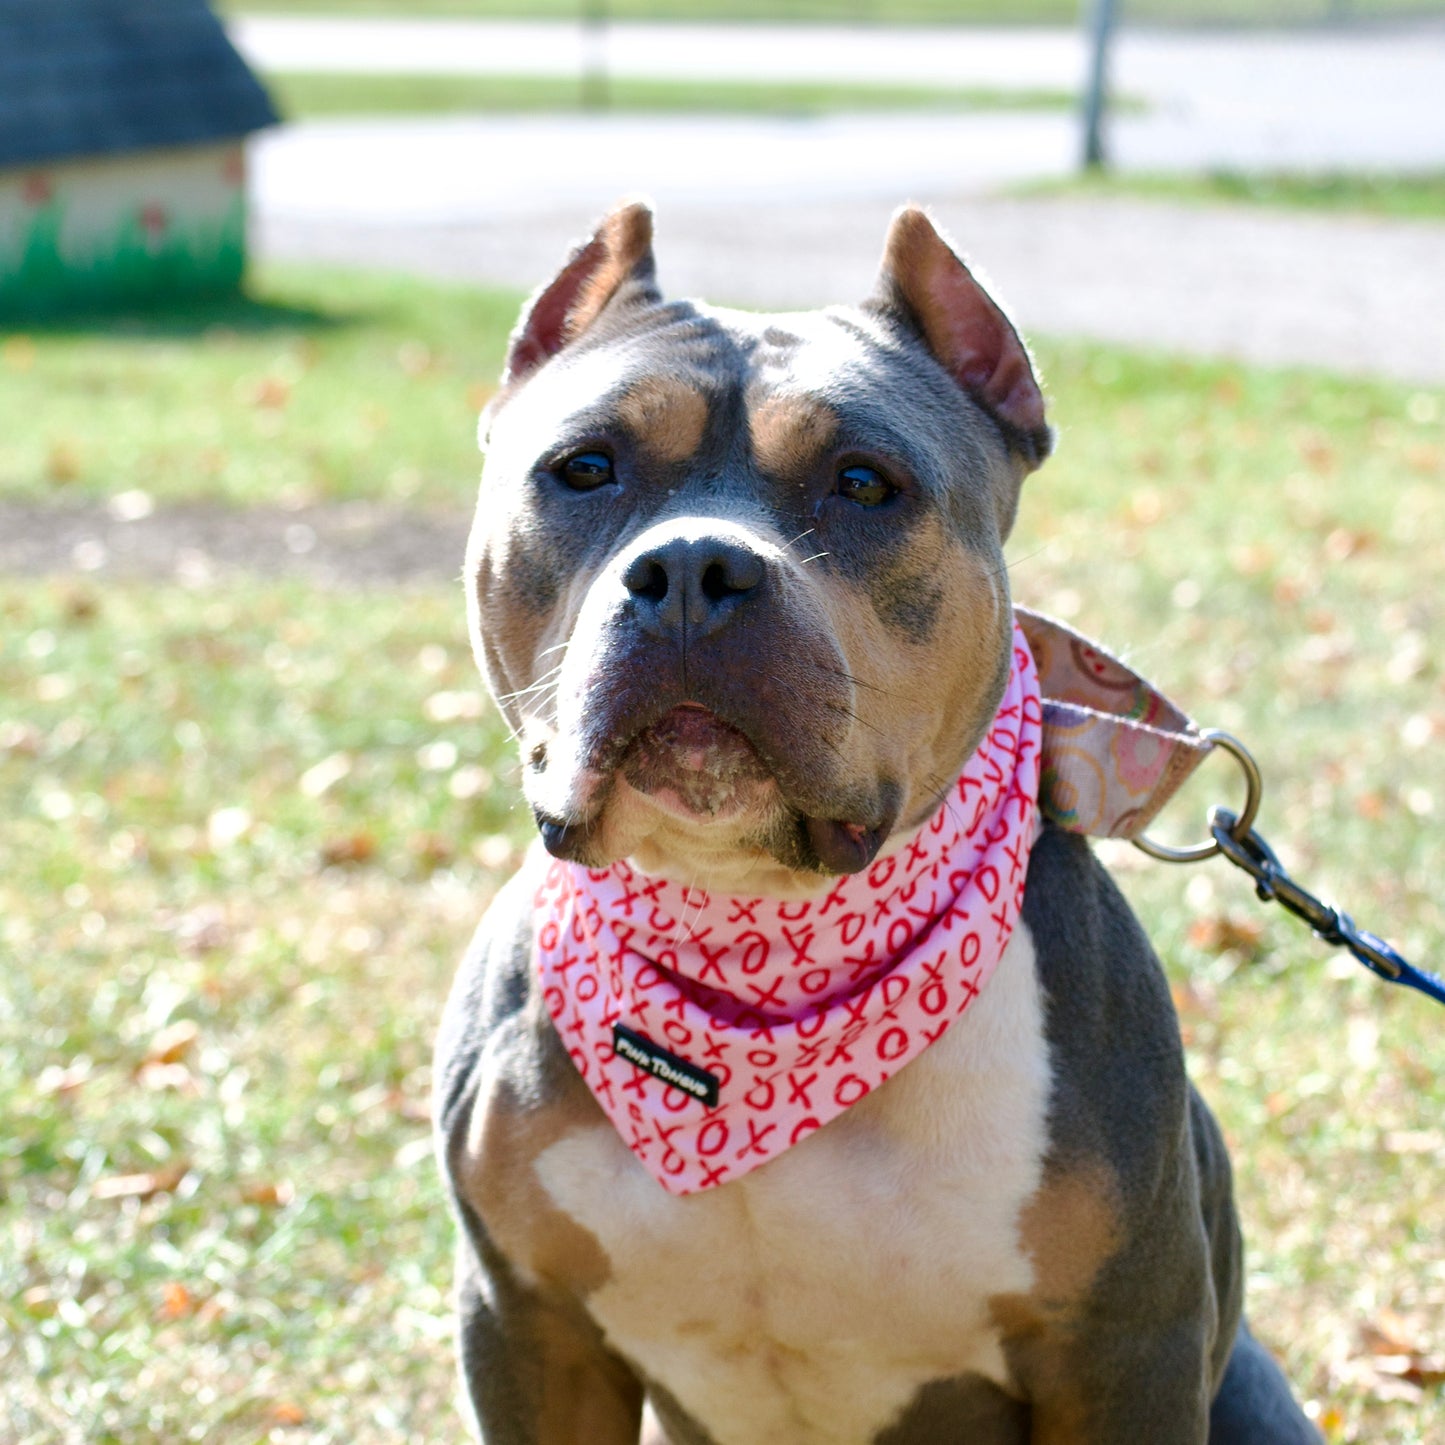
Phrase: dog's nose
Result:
[693,583]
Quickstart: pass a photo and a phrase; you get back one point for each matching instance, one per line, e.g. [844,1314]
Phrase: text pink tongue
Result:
[696,760]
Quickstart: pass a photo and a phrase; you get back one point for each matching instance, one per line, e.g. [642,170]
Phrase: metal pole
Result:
[594,55]
[1101,29]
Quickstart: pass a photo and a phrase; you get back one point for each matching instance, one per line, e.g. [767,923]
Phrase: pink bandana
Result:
[716,1032]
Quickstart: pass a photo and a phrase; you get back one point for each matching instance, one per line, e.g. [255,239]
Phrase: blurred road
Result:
[1304,98]
[779,212]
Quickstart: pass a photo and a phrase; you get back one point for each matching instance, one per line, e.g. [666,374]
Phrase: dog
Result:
[802,1087]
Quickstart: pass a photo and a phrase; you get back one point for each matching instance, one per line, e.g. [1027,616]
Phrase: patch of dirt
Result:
[348,544]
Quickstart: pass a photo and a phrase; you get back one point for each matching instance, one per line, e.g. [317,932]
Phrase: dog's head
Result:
[736,580]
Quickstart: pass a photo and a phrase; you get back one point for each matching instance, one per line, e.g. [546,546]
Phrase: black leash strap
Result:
[1272,883]
[1235,837]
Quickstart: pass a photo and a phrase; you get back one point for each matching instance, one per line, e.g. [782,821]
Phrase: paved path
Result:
[1350,294]
[1309,97]
[778,212]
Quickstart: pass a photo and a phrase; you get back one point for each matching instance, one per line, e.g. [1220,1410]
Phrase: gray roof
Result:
[94,77]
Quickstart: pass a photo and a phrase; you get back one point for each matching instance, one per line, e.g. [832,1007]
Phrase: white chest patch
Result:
[806,1303]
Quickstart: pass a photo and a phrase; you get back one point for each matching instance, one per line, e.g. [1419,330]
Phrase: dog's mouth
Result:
[700,770]
[693,764]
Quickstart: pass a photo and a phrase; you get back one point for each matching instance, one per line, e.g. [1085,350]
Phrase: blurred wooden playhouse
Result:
[122,163]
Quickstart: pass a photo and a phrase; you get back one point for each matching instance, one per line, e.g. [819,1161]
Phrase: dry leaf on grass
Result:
[1396,1352]
[348,848]
[1226,933]
[269,1194]
[56,1080]
[321,777]
[139,1186]
[160,1077]
[173,1042]
[176,1301]
[431,850]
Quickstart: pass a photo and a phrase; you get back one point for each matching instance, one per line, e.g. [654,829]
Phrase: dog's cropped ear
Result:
[923,279]
[618,256]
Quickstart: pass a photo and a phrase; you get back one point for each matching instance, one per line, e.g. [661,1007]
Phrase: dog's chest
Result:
[809,1301]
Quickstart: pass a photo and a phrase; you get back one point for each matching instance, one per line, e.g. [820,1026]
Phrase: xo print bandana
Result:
[716,1032]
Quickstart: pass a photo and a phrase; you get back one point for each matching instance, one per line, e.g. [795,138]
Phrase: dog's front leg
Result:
[1152,1388]
[535,1368]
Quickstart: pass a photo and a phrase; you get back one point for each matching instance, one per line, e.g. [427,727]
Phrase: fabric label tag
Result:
[643,1054]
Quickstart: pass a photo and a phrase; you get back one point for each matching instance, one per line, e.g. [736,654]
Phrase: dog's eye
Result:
[864,486]
[586,471]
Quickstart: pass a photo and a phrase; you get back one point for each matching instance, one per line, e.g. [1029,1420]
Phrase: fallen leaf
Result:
[1343,543]
[1226,933]
[321,777]
[431,850]
[158,1077]
[357,847]
[269,1194]
[62,465]
[271,392]
[202,930]
[1418,1370]
[1398,1354]
[1317,451]
[19,353]
[176,1301]
[173,1042]
[1388,1333]
[56,1080]
[1370,805]
[81,606]
[1193,1001]
[23,739]
[139,1186]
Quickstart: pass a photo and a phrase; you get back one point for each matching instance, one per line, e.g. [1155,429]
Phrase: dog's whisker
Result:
[1010,564]
[545,681]
[859,682]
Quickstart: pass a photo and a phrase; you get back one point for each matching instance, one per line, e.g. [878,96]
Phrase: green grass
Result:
[1403,197]
[302,96]
[297,1273]
[334,386]
[223,976]
[326,386]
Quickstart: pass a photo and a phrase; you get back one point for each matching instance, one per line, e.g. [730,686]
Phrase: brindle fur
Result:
[862,656]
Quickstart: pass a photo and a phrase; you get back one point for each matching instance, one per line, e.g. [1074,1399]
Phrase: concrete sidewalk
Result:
[1350,295]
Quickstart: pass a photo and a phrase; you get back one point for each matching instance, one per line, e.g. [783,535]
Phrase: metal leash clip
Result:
[1234,836]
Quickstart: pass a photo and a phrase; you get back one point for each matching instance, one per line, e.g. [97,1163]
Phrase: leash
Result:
[1115,750]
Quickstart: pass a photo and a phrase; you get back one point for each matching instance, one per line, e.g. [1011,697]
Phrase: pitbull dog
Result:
[737,584]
